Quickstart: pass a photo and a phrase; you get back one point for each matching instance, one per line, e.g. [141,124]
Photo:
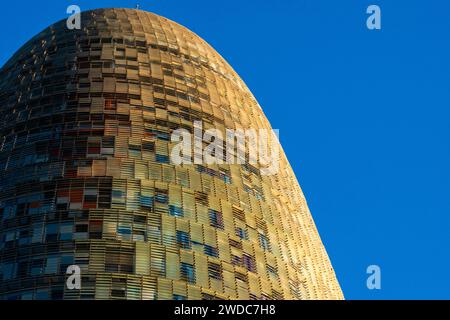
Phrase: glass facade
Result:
[86,179]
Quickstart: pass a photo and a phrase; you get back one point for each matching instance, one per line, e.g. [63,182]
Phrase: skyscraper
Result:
[86,177]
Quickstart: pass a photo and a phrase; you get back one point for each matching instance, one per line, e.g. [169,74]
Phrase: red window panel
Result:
[76,195]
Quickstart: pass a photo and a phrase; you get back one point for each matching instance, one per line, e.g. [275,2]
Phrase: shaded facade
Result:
[86,177]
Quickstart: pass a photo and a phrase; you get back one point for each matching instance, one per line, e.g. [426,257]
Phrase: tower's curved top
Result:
[183,40]
[87,177]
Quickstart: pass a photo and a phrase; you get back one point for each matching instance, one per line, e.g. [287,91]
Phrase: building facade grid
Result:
[86,177]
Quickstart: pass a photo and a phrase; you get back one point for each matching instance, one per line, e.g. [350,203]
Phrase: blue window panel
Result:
[124,230]
[235,260]
[9,211]
[28,295]
[249,263]
[146,201]
[175,211]
[117,193]
[215,219]
[159,134]
[179,297]
[118,197]
[227,179]
[162,136]
[52,228]
[162,158]
[36,270]
[183,239]
[161,198]
[187,272]
[65,262]
[42,294]
[66,231]
[208,171]
[52,264]
[272,271]
[242,233]
[8,271]
[211,251]
[264,242]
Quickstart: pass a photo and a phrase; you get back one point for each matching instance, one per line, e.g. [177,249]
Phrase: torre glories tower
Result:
[93,202]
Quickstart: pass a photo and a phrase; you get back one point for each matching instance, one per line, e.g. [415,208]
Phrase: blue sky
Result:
[363,117]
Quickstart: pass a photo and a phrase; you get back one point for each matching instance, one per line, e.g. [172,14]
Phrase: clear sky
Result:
[364,117]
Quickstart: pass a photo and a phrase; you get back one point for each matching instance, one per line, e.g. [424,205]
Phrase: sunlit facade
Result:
[86,177]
